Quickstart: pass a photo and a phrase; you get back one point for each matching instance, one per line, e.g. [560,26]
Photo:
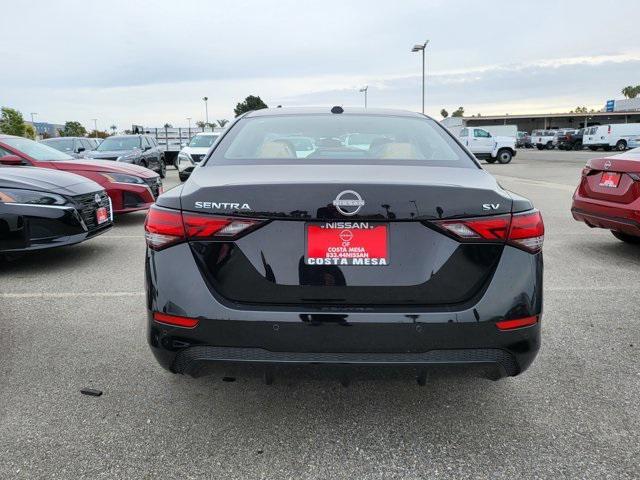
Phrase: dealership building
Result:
[616,111]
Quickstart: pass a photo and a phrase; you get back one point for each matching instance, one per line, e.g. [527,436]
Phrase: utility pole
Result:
[95,127]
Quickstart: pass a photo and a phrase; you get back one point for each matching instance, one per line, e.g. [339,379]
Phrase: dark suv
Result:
[74,146]
[140,150]
[570,139]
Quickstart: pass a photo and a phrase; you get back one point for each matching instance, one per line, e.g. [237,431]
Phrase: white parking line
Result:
[122,236]
[538,183]
[71,294]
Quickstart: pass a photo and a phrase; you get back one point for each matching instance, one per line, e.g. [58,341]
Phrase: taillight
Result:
[527,231]
[164,227]
[609,130]
[208,226]
[523,230]
[483,228]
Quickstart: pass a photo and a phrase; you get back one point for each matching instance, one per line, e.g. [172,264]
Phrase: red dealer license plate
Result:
[347,243]
[610,180]
[102,215]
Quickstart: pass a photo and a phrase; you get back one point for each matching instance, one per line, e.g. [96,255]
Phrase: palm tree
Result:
[113,129]
[200,124]
[630,91]
[222,122]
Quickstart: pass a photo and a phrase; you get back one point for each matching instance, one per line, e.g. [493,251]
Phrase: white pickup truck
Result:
[487,147]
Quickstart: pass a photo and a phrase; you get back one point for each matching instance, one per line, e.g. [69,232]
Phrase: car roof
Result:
[265,112]
[206,133]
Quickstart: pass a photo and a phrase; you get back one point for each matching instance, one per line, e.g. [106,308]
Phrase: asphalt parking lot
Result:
[73,318]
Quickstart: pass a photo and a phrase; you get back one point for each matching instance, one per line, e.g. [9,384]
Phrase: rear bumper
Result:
[600,214]
[194,360]
[230,333]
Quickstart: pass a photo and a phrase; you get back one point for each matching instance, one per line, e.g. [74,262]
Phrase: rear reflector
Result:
[518,323]
[523,230]
[165,227]
[175,320]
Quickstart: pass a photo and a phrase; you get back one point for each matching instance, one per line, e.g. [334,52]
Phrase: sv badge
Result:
[490,206]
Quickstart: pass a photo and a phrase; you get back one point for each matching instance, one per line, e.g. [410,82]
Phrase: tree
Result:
[459,112]
[73,129]
[12,122]
[250,103]
[29,131]
[444,113]
[168,125]
[113,129]
[580,110]
[222,122]
[631,91]
[98,134]
[200,124]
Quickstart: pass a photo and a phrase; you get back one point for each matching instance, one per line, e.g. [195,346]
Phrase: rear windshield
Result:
[35,150]
[62,144]
[119,144]
[331,139]
[202,140]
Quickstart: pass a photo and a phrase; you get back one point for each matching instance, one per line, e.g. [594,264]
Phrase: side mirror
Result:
[146,148]
[11,160]
[81,149]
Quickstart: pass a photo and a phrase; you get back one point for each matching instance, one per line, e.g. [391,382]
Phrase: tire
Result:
[550,146]
[621,146]
[183,177]
[504,156]
[578,146]
[625,237]
[491,160]
[540,147]
[607,148]
[163,169]
[592,148]
[144,164]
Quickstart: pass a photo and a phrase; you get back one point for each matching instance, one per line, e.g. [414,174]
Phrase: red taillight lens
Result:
[489,228]
[527,231]
[207,226]
[518,323]
[175,320]
[164,227]
[524,230]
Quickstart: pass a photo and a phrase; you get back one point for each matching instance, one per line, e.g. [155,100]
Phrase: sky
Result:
[151,62]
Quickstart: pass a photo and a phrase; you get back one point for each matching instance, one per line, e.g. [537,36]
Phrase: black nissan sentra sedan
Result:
[43,208]
[399,250]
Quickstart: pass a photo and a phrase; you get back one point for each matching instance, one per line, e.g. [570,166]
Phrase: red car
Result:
[609,195]
[130,187]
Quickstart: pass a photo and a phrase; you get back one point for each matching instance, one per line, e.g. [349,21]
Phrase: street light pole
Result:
[421,48]
[32,120]
[365,89]
[189,120]
[206,109]
[95,127]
